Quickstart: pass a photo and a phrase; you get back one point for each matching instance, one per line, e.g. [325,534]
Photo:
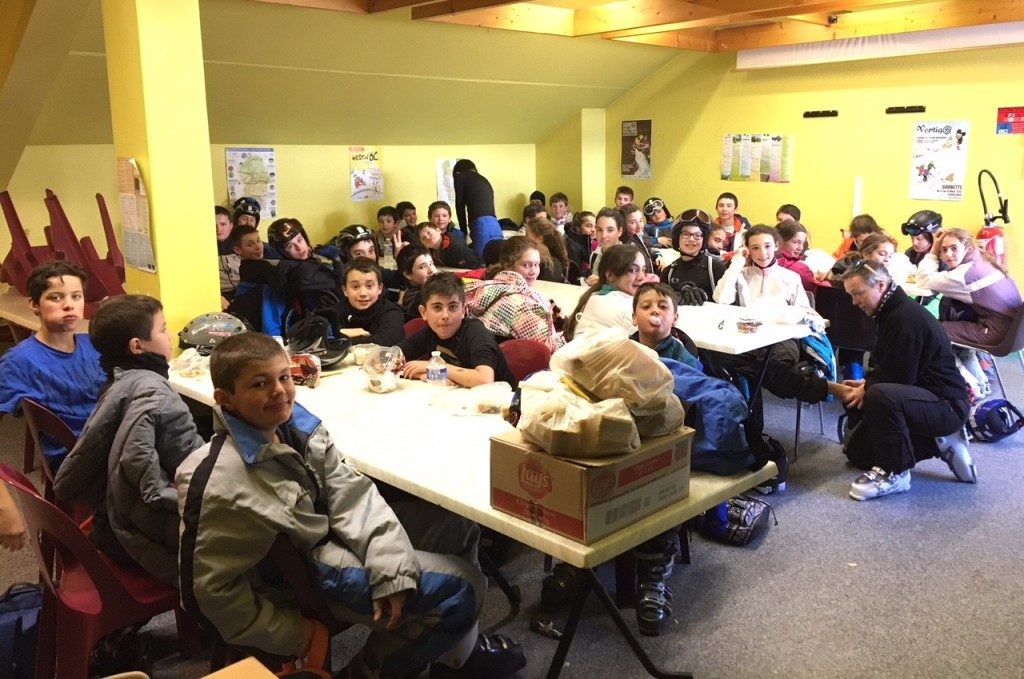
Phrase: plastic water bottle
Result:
[437,369]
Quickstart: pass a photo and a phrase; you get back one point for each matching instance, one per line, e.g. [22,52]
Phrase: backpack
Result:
[737,521]
[19,618]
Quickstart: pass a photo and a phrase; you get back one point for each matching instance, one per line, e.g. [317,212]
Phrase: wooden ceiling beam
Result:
[697,40]
[520,16]
[656,16]
[923,17]
[358,6]
[453,7]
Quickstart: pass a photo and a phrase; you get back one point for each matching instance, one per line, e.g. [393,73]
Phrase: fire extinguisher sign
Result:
[1010,120]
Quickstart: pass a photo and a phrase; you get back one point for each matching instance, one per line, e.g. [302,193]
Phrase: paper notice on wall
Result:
[762,157]
[134,207]
[1010,120]
[253,172]
[445,183]
[637,146]
[367,179]
[938,165]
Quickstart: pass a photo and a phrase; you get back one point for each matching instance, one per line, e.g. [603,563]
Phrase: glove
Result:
[691,295]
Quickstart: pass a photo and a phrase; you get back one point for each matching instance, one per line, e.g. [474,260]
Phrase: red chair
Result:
[41,420]
[414,326]
[525,357]
[91,596]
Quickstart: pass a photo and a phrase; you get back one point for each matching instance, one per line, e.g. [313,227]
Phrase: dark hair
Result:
[760,230]
[221,210]
[531,211]
[577,220]
[558,197]
[538,195]
[463,165]
[715,227]
[233,355]
[789,209]
[362,265]
[443,284]
[553,243]
[511,250]
[663,290]
[863,224]
[630,208]
[403,205]
[408,255]
[652,202]
[119,320]
[731,196]
[615,214]
[625,190]
[239,232]
[388,211]
[438,205]
[789,228]
[39,279]
[616,261]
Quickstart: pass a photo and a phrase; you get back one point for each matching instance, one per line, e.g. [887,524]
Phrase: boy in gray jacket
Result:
[272,468]
[125,459]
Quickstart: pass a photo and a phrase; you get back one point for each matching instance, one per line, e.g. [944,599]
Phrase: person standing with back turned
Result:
[474,205]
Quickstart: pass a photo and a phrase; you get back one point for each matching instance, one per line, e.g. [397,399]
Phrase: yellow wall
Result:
[559,162]
[695,99]
[313,183]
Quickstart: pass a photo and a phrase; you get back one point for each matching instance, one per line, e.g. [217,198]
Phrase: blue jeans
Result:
[482,230]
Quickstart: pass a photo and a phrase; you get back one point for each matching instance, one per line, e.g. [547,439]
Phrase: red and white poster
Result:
[1010,120]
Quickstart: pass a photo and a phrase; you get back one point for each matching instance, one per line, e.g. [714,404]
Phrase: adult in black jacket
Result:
[912,403]
[695,274]
[474,205]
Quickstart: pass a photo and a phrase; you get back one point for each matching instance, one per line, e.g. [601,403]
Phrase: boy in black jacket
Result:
[364,306]
[416,265]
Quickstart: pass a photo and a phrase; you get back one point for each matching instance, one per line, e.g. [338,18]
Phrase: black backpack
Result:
[19,618]
[737,521]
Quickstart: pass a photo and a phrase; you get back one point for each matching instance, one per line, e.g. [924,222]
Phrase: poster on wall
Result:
[367,181]
[636,149]
[253,172]
[445,183]
[761,157]
[1010,120]
[134,208]
[938,165]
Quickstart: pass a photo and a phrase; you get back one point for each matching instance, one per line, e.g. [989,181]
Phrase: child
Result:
[506,304]
[659,222]
[610,226]
[388,236]
[532,211]
[860,227]
[445,250]
[655,314]
[55,366]
[921,228]
[468,348]
[554,264]
[609,301]
[793,244]
[272,468]
[416,265]
[256,303]
[355,241]
[579,242]
[365,307]
[717,241]
[786,212]
[636,232]
[407,213]
[231,260]
[537,198]
[560,215]
[623,196]
[762,281]
[133,442]
[735,224]
[874,247]
[222,217]
[696,272]
[440,215]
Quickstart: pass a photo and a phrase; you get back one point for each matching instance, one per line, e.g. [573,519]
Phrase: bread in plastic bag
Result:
[610,365]
[568,425]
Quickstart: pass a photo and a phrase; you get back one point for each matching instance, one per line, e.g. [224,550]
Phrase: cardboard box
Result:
[586,499]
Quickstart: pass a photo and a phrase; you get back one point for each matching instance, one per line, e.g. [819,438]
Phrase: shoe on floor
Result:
[954,451]
[494,657]
[879,483]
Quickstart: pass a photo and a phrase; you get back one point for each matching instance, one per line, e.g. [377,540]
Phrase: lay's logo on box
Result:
[534,478]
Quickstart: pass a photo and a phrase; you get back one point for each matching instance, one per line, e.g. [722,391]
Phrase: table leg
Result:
[625,580]
[755,389]
[594,584]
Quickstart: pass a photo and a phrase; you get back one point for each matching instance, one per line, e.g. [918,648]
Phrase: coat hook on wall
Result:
[905,109]
[821,114]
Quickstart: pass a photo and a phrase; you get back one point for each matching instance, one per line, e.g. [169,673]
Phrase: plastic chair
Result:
[91,596]
[1013,343]
[41,420]
[414,326]
[525,357]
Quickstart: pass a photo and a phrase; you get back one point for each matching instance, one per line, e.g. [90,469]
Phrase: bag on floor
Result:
[19,619]
[993,420]
[737,521]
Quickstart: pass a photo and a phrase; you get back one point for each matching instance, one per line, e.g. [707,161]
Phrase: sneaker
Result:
[879,483]
[954,451]
[495,656]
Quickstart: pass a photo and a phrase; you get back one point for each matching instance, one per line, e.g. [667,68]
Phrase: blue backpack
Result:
[19,619]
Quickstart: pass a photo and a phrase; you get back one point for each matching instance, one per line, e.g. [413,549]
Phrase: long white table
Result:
[408,440]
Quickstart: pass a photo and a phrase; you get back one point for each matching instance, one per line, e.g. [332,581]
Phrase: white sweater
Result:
[771,287]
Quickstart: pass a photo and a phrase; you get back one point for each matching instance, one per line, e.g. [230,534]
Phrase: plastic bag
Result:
[571,426]
[610,365]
